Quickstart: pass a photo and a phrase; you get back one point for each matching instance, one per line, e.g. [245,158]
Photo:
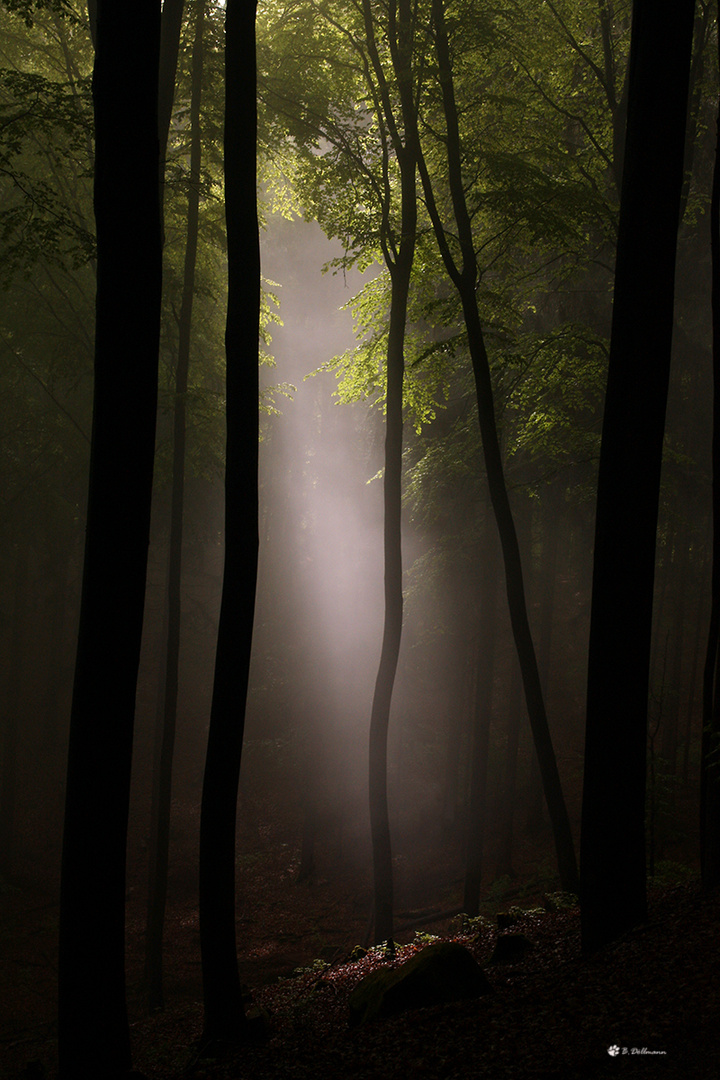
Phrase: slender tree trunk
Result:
[224,1014]
[400,24]
[508,796]
[465,279]
[700,631]
[170,30]
[671,720]
[93,1031]
[162,772]
[11,721]
[380,716]
[481,729]
[613,817]
[710,746]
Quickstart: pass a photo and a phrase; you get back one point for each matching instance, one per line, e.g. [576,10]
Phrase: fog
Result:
[320,597]
[319,624]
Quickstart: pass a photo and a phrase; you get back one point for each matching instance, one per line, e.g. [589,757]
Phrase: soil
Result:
[654,995]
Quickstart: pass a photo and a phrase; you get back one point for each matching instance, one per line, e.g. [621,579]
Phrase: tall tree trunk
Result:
[224,1014]
[380,716]
[11,722]
[508,794]
[162,771]
[93,1031]
[613,816]
[400,30]
[710,745]
[170,30]
[465,278]
[481,728]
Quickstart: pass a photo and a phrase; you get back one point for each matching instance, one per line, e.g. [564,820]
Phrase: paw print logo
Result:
[613,1051]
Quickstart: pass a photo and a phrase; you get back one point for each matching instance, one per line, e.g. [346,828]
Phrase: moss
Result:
[440,973]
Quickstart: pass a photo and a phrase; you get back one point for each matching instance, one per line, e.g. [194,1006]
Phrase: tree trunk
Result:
[710,745]
[380,716]
[465,279]
[11,722]
[224,1015]
[508,796]
[93,1031]
[162,771]
[481,733]
[170,31]
[613,815]
[400,266]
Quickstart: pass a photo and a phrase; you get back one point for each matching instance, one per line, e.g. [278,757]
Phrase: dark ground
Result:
[553,1015]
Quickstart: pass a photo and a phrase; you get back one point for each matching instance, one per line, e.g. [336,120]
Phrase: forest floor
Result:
[655,994]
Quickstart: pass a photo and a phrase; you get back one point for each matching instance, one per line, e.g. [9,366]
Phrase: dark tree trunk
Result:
[710,752]
[170,30]
[613,816]
[93,1029]
[465,278]
[11,720]
[480,737]
[546,575]
[400,262]
[380,716]
[508,796]
[162,772]
[224,1014]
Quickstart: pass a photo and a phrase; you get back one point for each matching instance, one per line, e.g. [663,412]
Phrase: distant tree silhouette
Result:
[613,889]
[93,1030]
[224,1014]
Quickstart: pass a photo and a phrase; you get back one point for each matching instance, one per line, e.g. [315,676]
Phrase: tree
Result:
[710,763]
[93,1030]
[224,1014]
[483,663]
[373,155]
[162,779]
[398,250]
[464,276]
[613,839]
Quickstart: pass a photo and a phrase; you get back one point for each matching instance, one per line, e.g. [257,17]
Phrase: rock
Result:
[506,919]
[560,901]
[509,948]
[463,925]
[440,973]
[459,924]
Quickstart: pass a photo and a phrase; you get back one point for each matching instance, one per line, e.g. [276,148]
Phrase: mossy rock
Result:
[440,973]
[514,914]
[509,948]
[463,925]
[560,901]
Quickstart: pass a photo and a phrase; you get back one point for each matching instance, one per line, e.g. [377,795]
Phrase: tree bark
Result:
[162,772]
[224,1016]
[93,1031]
[613,816]
[11,722]
[477,803]
[400,33]
[465,278]
[710,743]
